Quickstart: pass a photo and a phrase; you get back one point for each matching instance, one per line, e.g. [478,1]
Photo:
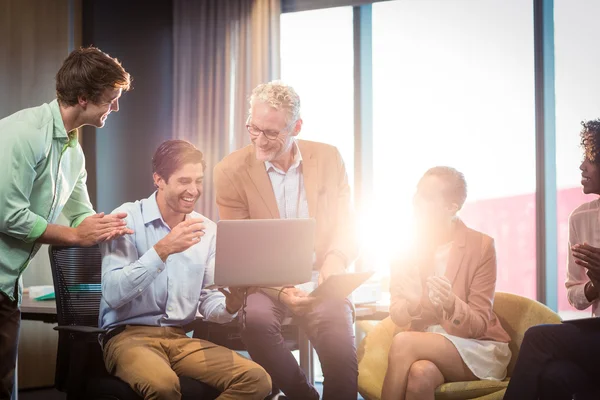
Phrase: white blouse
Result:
[584,227]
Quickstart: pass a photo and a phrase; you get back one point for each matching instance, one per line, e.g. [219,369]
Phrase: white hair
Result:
[279,96]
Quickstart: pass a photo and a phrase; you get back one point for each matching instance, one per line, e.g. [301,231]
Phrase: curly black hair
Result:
[590,140]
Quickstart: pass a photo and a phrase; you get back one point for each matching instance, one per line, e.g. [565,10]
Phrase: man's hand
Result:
[234,298]
[99,228]
[331,266]
[186,234]
[440,293]
[298,301]
[588,257]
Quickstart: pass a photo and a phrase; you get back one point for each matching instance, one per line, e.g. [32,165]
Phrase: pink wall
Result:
[511,222]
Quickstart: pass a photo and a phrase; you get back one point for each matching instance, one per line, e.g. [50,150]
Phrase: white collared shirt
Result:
[288,188]
[290,195]
[584,227]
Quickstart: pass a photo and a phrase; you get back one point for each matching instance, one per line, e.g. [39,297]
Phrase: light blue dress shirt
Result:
[288,188]
[290,195]
[138,288]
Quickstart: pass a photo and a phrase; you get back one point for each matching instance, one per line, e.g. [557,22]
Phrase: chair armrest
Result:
[79,329]
[199,324]
[74,345]
[372,355]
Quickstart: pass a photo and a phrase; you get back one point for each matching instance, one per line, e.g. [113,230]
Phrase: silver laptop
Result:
[264,252]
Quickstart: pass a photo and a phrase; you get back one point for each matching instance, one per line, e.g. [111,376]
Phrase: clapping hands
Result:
[440,293]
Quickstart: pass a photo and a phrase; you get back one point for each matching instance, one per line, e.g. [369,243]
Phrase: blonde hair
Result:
[279,96]
[457,184]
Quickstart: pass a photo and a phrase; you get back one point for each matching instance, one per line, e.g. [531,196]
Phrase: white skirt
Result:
[487,359]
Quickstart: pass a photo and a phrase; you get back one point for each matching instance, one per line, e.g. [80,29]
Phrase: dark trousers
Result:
[556,362]
[10,320]
[328,327]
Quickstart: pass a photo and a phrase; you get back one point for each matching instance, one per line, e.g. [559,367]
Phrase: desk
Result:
[33,310]
[372,311]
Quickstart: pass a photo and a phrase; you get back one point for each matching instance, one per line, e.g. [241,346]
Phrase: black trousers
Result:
[557,362]
[329,328]
[10,321]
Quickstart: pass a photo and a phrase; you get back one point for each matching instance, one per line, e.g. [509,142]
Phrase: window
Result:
[453,84]
[577,85]
[317,59]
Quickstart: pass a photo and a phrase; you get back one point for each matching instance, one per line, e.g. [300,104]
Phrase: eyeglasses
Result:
[270,135]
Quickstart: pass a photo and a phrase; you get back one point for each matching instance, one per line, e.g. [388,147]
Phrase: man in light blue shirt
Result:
[154,282]
[44,175]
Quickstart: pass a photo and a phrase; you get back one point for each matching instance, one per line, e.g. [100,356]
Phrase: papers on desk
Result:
[45,292]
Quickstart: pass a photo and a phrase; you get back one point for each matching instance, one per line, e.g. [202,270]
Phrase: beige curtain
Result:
[222,50]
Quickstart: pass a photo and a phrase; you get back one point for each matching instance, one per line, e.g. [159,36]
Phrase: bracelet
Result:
[590,286]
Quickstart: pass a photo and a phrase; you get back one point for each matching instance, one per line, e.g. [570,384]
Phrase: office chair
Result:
[80,370]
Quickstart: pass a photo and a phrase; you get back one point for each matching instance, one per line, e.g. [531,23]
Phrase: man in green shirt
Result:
[44,174]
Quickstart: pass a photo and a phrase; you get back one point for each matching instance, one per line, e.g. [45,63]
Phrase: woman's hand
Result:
[440,293]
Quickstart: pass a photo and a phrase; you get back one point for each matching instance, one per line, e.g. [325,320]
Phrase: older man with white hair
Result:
[279,176]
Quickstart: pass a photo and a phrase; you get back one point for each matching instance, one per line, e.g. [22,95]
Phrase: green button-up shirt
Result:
[42,173]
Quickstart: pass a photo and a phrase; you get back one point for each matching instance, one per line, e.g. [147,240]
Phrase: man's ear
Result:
[159,182]
[297,127]
[82,101]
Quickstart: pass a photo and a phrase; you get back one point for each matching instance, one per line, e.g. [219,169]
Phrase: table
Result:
[373,311]
[33,310]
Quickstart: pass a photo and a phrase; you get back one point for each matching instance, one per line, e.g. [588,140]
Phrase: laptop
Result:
[264,252]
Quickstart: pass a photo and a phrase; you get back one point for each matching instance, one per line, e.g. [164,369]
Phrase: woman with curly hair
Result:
[561,361]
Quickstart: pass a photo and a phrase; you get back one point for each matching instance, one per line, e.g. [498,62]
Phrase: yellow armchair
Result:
[516,313]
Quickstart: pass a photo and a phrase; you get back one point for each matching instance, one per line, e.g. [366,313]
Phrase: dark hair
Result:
[174,154]
[457,184]
[590,140]
[89,72]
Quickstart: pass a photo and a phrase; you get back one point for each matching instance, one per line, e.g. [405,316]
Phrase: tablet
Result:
[587,323]
[340,286]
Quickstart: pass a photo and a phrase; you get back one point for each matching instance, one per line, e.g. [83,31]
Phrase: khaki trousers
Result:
[151,359]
